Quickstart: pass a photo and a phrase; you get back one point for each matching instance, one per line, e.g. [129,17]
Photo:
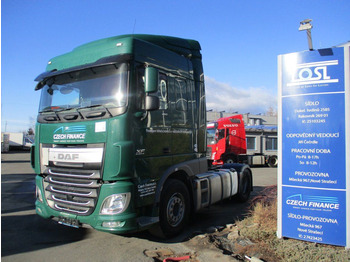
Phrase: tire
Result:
[231,159]
[174,208]
[273,161]
[245,186]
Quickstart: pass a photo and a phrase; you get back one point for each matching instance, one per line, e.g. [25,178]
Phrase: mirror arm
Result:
[145,115]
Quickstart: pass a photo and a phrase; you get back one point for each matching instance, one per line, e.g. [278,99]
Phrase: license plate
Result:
[69,222]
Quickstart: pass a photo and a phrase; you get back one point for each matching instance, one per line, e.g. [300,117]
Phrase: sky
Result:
[240,40]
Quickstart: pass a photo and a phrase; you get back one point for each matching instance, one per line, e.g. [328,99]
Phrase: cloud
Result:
[222,96]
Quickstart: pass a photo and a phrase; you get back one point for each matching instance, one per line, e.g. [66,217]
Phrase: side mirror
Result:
[151,103]
[151,80]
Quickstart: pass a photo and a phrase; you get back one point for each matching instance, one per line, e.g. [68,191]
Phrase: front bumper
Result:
[121,223]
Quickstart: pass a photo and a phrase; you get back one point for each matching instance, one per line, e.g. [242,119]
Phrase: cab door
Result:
[153,145]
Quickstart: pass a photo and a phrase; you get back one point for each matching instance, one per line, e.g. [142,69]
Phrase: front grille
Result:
[72,191]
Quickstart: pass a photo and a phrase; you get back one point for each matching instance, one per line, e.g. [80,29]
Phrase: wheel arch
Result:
[185,172]
[180,175]
[232,156]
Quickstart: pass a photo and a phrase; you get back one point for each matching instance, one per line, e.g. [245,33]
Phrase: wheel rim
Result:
[229,161]
[273,161]
[175,209]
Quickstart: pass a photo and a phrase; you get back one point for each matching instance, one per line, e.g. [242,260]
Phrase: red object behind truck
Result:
[226,142]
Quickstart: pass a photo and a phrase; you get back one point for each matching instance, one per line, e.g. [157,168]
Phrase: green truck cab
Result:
[121,137]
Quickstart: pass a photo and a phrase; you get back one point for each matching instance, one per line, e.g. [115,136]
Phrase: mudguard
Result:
[241,169]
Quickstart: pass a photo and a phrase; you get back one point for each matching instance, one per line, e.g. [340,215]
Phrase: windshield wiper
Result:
[93,106]
[56,109]
[50,110]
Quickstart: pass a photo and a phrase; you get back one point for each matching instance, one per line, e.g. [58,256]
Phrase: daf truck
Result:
[227,143]
[121,137]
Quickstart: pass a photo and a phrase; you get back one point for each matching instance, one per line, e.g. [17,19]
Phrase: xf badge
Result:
[140,152]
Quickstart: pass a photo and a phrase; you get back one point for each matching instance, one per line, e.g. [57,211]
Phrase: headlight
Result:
[38,194]
[115,204]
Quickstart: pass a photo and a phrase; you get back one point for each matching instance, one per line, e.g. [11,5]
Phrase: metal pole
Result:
[309,39]
[306,25]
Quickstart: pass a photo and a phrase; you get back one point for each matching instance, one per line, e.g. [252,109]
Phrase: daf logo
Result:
[68,156]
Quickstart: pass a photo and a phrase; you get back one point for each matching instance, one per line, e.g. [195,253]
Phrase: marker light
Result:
[111,224]
[115,204]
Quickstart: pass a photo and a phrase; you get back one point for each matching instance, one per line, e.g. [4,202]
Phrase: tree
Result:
[271,111]
[30,131]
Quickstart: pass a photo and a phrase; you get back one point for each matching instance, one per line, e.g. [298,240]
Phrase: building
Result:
[249,119]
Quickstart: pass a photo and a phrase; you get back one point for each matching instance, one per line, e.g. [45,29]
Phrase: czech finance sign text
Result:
[314,146]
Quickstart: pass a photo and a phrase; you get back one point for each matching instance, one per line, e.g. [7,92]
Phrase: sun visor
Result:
[101,62]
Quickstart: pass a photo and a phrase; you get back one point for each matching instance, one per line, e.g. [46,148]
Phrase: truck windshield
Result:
[103,85]
[211,136]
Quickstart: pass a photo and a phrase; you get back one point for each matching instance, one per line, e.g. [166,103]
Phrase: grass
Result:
[261,226]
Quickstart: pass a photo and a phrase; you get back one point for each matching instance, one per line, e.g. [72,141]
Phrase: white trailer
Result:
[19,140]
[261,145]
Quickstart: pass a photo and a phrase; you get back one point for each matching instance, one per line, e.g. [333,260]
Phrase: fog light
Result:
[113,224]
[115,204]
[38,194]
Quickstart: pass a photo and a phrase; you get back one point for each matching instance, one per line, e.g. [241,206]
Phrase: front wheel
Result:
[231,159]
[174,208]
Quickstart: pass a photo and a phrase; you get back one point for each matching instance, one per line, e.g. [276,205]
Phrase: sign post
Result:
[314,146]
